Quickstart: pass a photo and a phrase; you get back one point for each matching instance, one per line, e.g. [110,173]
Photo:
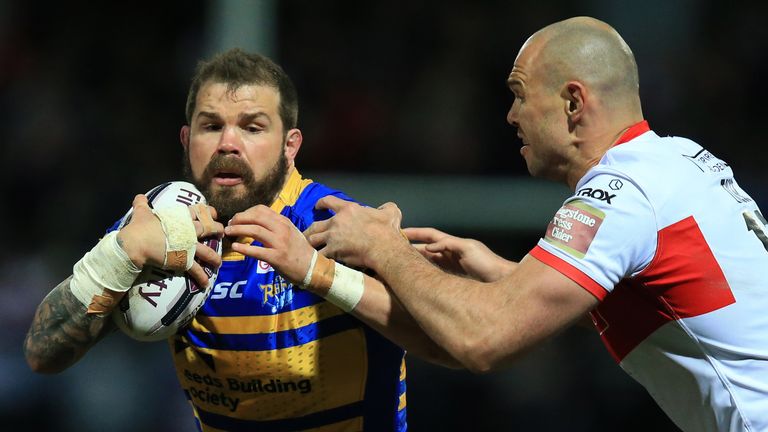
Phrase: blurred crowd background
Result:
[402,100]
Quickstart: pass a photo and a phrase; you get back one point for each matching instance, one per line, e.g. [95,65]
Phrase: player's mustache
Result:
[228,164]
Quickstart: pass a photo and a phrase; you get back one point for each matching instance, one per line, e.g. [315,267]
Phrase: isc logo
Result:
[228,290]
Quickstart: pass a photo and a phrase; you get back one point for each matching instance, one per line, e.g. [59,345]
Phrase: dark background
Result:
[92,98]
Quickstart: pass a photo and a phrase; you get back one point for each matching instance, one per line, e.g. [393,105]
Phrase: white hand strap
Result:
[180,237]
[102,275]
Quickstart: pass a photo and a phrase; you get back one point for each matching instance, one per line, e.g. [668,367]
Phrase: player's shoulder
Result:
[303,211]
[649,153]
[654,163]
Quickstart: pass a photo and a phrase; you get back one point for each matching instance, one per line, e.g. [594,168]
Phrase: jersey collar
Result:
[633,132]
[288,196]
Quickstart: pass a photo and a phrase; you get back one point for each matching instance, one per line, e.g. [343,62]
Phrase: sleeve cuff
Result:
[569,271]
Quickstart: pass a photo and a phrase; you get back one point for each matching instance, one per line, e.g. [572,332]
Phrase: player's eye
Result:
[212,127]
[254,128]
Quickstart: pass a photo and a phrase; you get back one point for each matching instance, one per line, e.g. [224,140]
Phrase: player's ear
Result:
[184,136]
[574,95]
[293,141]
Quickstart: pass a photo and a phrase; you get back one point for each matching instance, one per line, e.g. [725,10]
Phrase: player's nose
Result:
[230,141]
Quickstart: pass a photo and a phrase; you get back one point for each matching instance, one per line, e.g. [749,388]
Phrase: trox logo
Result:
[597,194]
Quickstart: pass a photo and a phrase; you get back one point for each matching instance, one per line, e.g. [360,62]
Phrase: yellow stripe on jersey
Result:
[290,193]
[292,382]
[288,196]
[266,323]
[402,403]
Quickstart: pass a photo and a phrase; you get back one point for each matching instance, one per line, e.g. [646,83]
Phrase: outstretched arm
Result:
[64,328]
[286,249]
[483,325]
[461,256]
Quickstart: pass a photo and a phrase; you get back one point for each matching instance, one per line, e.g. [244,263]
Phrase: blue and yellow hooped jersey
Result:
[262,355]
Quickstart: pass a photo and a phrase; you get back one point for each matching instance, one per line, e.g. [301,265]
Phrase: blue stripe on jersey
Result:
[401,388]
[308,421]
[380,389]
[252,303]
[271,341]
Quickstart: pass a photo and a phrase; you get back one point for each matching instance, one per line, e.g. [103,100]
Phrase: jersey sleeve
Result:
[303,213]
[602,234]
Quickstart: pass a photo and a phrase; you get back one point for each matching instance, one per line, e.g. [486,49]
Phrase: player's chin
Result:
[227,197]
[233,190]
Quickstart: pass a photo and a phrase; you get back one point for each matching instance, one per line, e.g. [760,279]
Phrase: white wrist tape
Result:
[308,277]
[347,287]
[180,237]
[104,268]
[335,282]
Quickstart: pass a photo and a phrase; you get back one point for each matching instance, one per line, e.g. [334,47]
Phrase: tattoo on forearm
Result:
[61,331]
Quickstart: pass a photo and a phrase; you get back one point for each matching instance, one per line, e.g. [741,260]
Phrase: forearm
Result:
[380,310]
[457,313]
[502,268]
[483,325]
[61,331]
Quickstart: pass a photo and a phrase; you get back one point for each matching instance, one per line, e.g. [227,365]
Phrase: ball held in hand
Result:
[160,302]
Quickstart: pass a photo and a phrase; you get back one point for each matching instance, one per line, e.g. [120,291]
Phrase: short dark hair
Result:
[237,68]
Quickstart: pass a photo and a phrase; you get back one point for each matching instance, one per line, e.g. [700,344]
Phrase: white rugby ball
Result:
[160,302]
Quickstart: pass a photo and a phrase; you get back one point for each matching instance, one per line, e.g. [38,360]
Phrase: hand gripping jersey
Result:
[661,233]
[262,355]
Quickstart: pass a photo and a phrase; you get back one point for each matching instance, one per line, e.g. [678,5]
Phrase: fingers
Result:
[258,252]
[424,235]
[316,228]
[255,232]
[217,230]
[260,223]
[258,215]
[141,205]
[438,246]
[205,215]
[202,231]
[330,202]
[317,239]
[140,200]
[394,213]
[390,207]
[207,255]
[422,249]
[214,214]
[266,226]
[198,274]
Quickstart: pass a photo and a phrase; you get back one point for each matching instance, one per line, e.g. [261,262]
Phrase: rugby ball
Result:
[161,302]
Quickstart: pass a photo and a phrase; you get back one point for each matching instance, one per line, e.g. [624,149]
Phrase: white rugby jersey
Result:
[660,232]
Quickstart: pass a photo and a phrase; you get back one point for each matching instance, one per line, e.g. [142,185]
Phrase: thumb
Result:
[140,200]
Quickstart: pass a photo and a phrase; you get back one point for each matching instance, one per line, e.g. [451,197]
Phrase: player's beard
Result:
[227,200]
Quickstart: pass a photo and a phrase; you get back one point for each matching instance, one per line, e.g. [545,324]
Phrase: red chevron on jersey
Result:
[683,280]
